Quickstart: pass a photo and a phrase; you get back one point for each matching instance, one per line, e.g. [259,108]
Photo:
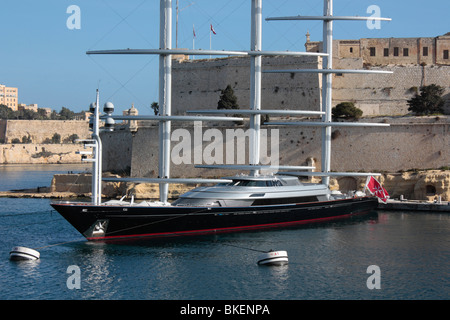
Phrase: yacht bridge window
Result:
[253,183]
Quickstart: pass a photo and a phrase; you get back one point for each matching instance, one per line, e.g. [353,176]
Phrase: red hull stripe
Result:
[228,229]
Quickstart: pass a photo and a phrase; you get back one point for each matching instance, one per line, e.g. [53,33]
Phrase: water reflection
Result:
[17,177]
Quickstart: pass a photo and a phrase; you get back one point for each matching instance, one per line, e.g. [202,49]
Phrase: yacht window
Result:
[250,183]
[223,184]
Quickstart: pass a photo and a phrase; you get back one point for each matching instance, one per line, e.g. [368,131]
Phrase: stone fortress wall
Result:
[38,131]
[197,84]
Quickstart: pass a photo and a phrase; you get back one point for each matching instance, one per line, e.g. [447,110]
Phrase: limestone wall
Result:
[39,153]
[117,150]
[37,132]
[419,185]
[197,84]
[40,130]
[387,94]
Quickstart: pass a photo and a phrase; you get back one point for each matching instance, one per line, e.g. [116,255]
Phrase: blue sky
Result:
[47,61]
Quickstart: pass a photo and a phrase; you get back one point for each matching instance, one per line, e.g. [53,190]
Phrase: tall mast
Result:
[165,94]
[327,81]
[255,83]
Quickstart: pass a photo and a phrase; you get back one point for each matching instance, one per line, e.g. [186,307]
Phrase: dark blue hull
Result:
[115,222]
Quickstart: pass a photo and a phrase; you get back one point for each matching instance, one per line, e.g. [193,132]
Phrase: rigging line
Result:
[277,9]
[25,214]
[281,35]
[32,223]
[125,20]
[132,77]
[74,183]
[159,221]
[279,32]
[120,22]
[114,78]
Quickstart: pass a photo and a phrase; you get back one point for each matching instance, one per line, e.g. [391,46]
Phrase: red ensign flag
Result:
[377,189]
[212,29]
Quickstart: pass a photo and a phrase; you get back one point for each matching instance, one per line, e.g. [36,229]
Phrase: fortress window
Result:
[351,50]
[372,51]
[405,52]
[396,51]
[445,54]
[425,51]
[430,190]
[386,52]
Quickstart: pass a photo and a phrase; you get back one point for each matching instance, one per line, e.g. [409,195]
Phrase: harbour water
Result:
[385,255]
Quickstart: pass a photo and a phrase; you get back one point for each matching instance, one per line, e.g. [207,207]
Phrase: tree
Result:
[72,138]
[429,100]
[6,112]
[66,114]
[227,99]
[155,107]
[54,115]
[42,114]
[346,110]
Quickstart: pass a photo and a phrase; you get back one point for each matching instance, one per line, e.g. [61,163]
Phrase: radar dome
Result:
[108,108]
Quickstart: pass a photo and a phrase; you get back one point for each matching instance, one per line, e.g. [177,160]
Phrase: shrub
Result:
[26,139]
[346,110]
[71,139]
[56,138]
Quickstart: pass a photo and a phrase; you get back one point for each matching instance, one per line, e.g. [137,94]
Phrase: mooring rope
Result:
[240,247]
[58,244]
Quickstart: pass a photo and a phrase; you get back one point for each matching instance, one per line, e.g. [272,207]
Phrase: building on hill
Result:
[9,96]
[390,51]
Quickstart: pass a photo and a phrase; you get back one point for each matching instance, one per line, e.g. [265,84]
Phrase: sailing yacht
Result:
[250,201]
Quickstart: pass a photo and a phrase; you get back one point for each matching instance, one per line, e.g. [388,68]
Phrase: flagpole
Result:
[193,39]
[367,182]
[210,40]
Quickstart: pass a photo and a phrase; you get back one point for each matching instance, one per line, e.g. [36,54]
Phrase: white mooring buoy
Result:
[23,253]
[273,258]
